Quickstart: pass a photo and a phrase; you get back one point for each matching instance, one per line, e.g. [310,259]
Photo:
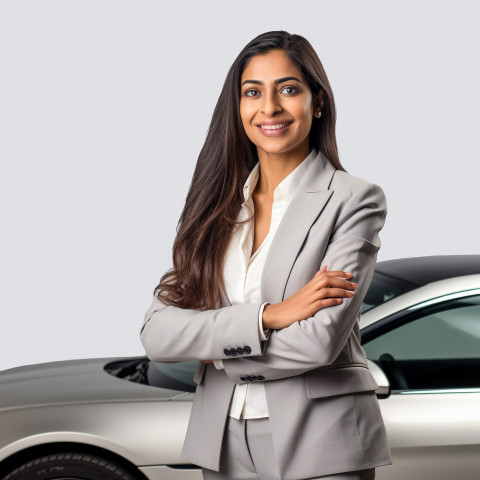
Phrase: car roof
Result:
[423,270]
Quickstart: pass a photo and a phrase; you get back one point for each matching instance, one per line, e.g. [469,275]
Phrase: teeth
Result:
[274,127]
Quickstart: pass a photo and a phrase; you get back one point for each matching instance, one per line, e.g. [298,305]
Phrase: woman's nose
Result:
[271,104]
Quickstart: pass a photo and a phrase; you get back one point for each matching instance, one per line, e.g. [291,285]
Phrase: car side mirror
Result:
[383,390]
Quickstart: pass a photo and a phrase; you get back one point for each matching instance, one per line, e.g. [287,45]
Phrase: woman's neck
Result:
[274,167]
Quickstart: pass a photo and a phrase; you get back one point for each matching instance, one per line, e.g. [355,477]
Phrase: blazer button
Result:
[226,352]
[240,350]
[247,349]
[261,377]
[233,351]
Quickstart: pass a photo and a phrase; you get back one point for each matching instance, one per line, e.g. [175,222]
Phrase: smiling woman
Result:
[283,386]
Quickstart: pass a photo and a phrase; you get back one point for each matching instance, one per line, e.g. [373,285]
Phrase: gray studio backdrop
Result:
[105,106]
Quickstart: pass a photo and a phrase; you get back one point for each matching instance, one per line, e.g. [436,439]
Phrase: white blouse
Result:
[243,272]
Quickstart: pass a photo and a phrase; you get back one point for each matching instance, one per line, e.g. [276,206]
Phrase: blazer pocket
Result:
[339,381]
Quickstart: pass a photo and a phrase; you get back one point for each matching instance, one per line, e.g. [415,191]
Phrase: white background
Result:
[105,106]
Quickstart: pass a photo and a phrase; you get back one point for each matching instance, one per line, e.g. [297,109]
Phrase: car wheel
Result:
[69,466]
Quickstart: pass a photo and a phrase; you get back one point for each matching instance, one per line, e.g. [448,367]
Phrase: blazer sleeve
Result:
[318,340]
[173,334]
[262,333]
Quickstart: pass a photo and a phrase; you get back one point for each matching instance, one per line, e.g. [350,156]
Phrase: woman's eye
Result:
[255,93]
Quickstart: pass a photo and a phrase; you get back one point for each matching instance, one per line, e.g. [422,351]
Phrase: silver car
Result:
[126,418]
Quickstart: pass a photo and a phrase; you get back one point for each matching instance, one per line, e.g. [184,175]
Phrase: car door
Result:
[431,355]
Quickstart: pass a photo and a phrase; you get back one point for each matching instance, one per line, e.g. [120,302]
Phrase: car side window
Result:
[435,347]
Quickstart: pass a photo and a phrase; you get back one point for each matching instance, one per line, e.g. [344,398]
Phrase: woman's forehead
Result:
[270,66]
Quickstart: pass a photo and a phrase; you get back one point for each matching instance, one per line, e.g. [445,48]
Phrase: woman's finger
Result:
[327,281]
[334,293]
[323,269]
[333,273]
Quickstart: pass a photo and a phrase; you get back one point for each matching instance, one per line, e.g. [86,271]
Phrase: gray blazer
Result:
[324,414]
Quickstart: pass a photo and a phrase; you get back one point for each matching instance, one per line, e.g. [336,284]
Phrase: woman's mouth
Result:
[274,130]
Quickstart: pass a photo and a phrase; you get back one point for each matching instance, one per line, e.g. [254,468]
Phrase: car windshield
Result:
[384,288]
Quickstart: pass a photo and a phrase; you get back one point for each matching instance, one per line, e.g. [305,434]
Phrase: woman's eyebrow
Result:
[278,80]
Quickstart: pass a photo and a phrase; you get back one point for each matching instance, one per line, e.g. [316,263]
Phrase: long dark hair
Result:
[215,195]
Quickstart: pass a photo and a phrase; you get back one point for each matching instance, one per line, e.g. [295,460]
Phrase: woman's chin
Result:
[277,148]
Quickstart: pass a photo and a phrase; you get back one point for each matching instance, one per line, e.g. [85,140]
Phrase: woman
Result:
[283,387]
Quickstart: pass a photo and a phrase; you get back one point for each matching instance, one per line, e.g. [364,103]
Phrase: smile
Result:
[274,127]
[274,130]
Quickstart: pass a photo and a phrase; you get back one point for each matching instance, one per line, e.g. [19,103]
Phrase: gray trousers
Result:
[247,453]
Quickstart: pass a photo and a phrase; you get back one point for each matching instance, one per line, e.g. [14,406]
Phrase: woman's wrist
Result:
[267,320]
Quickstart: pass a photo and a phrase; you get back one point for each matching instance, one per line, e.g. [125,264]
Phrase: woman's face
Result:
[275,94]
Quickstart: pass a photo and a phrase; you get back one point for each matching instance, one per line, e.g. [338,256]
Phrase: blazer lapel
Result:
[307,203]
[305,206]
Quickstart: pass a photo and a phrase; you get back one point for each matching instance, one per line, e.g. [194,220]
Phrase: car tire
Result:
[70,466]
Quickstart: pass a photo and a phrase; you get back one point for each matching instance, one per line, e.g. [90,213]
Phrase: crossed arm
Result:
[175,334]
[318,340]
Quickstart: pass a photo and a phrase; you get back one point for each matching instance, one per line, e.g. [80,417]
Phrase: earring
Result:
[318,113]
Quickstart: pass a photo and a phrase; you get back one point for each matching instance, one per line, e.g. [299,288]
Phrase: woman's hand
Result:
[323,290]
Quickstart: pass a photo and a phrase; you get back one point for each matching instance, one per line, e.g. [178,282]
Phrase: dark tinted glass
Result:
[175,376]
[384,288]
[437,347]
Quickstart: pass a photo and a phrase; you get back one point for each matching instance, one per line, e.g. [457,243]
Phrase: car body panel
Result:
[73,381]
[146,429]
[432,436]
[163,472]
[422,294]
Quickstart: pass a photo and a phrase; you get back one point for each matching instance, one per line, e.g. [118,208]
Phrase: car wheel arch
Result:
[22,456]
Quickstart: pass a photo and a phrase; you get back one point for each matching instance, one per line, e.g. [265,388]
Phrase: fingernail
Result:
[356,284]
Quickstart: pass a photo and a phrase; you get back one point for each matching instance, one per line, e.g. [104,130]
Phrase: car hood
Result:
[72,381]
